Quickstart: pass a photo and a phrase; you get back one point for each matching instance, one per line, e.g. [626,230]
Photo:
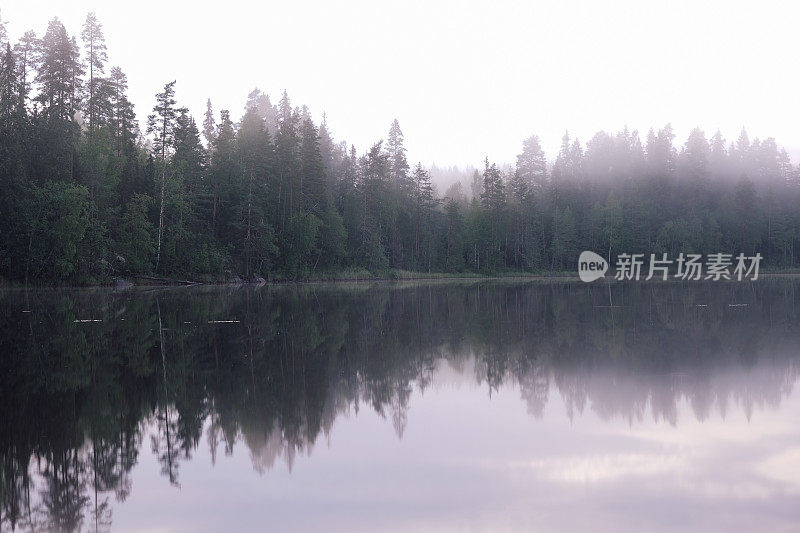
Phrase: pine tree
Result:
[58,79]
[58,73]
[531,163]
[3,32]
[95,48]
[161,124]
[9,86]
[264,109]
[122,118]
[25,52]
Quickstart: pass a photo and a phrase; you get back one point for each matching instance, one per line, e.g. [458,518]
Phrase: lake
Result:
[450,405]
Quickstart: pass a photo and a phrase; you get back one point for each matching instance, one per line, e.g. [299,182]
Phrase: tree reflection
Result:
[273,368]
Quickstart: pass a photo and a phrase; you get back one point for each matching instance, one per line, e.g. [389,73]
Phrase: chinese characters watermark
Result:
[691,267]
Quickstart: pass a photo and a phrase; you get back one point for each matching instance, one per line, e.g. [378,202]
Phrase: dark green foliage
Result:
[84,198]
[161,124]
[253,233]
[135,240]
[58,222]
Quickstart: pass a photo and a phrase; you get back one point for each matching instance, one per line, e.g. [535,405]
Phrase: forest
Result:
[88,193]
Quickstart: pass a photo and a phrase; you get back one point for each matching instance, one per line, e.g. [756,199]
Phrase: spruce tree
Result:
[209,125]
[256,234]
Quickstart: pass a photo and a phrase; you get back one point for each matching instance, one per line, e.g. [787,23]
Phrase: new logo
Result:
[591,266]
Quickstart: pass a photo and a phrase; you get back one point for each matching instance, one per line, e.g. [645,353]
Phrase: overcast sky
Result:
[465,79]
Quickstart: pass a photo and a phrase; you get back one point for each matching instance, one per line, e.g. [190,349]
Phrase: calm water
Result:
[433,406]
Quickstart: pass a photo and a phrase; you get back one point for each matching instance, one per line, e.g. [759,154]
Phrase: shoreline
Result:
[136,282]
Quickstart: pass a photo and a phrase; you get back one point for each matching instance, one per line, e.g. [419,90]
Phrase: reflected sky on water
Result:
[477,405]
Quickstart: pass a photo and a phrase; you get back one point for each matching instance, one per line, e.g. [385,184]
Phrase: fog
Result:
[465,80]
[412,139]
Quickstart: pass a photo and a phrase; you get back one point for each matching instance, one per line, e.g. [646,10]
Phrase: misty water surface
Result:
[435,406]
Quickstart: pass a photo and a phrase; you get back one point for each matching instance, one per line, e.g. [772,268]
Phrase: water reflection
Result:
[90,381]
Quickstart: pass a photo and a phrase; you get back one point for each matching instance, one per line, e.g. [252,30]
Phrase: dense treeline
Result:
[86,195]
[168,372]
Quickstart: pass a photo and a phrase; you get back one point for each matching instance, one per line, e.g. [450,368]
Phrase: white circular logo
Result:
[591,266]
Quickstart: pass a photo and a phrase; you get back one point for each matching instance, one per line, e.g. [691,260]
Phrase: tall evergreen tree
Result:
[186,247]
[398,165]
[253,220]
[25,51]
[9,86]
[58,78]
[531,163]
[95,48]
[209,125]
[286,152]
[161,124]
[58,72]
[3,32]
[264,109]
[122,116]
[224,170]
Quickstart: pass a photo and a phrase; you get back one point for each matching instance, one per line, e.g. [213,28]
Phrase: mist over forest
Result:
[92,189]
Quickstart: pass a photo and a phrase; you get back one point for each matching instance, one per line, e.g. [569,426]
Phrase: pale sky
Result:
[465,79]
